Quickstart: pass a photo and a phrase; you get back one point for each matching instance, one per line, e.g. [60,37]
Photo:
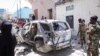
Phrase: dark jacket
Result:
[33,17]
[7,41]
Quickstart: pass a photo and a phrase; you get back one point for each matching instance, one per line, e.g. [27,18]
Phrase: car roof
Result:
[45,21]
[37,21]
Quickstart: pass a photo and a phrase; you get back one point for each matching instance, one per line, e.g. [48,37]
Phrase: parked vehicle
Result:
[47,35]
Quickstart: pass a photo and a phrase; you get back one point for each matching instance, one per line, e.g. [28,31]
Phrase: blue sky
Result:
[11,5]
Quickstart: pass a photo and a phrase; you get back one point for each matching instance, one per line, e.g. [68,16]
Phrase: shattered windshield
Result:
[45,27]
[58,26]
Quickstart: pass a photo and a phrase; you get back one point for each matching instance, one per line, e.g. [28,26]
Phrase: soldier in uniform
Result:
[82,31]
[93,32]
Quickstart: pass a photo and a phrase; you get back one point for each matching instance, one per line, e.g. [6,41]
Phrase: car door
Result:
[45,29]
[26,30]
[62,33]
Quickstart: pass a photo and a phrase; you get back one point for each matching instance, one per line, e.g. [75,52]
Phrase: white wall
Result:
[61,12]
[82,9]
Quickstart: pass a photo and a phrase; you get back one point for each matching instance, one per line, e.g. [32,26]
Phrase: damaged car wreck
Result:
[46,35]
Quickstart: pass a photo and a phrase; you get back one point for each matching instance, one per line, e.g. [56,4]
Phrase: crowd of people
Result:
[89,35]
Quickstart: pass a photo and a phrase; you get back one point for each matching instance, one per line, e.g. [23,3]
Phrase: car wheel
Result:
[42,47]
[39,43]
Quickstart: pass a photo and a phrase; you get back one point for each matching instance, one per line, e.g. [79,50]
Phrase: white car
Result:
[48,35]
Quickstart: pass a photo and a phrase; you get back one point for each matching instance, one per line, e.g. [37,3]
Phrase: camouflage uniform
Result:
[82,33]
[93,45]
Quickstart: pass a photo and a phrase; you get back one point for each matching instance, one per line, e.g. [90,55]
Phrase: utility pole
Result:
[20,8]
[17,11]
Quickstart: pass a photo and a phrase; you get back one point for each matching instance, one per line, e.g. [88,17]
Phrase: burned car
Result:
[47,35]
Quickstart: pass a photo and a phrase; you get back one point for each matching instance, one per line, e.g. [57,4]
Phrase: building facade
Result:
[72,10]
[23,13]
[2,12]
[43,8]
[5,14]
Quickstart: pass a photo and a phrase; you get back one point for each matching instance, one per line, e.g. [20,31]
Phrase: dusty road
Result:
[74,51]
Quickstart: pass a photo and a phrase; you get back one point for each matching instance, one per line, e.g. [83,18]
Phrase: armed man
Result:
[93,37]
[82,32]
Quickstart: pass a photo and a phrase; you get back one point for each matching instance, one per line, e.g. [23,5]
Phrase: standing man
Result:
[7,41]
[42,18]
[45,17]
[94,34]
[80,22]
[33,17]
[82,31]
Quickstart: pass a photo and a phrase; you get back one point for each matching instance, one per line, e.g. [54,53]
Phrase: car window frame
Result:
[67,26]
[42,27]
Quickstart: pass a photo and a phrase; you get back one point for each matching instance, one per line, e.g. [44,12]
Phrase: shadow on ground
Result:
[63,52]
